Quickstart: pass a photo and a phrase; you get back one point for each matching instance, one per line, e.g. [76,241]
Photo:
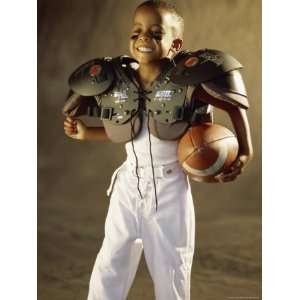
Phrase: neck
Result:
[147,73]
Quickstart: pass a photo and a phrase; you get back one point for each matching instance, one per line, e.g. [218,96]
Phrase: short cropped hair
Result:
[165,5]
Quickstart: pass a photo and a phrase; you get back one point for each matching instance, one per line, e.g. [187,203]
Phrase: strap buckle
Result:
[178,113]
[199,113]
[106,113]
[93,111]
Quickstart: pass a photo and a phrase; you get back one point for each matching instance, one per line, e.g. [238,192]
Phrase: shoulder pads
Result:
[92,78]
[202,65]
[229,87]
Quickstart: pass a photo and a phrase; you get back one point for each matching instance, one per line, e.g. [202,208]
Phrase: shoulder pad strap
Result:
[229,87]
[203,65]
[77,105]
[92,78]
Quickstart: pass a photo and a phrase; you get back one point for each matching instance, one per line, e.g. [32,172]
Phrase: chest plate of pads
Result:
[170,108]
[167,102]
[119,104]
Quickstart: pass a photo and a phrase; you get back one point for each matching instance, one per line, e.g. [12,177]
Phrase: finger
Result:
[229,176]
[233,171]
[71,135]
[232,174]
[229,179]
[219,178]
[68,133]
[70,130]
[232,168]
[225,176]
[71,120]
[237,164]
[69,125]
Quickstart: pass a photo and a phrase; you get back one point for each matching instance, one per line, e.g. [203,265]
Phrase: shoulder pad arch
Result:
[229,87]
[126,61]
[122,63]
[93,77]
[202,65]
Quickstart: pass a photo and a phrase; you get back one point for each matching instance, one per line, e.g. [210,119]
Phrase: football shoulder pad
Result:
[202,65]
[93,77]
[230,88]
[217,72]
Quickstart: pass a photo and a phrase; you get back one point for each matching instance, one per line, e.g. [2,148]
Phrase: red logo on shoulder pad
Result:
[95,70]
[191,61]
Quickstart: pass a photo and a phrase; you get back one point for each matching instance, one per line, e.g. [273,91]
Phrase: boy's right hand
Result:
[75,128]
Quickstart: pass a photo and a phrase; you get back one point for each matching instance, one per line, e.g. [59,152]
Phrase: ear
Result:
[177,44]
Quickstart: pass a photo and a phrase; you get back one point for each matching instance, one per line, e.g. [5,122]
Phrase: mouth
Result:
[145,49]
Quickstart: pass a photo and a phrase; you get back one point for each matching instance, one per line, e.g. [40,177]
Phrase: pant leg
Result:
[116,263]
[169,238]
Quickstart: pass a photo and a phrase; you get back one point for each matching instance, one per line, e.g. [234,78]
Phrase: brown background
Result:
[73,176]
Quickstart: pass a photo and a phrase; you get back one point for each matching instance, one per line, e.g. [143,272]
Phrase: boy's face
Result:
[152,34]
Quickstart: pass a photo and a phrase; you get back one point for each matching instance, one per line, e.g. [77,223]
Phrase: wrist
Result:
[94,134]
[86,133]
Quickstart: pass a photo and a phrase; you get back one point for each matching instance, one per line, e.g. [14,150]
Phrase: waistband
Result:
[160,171]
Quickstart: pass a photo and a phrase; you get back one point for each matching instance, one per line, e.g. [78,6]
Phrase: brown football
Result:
[207,150]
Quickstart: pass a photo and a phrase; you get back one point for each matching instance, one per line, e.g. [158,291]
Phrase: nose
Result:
[144,37]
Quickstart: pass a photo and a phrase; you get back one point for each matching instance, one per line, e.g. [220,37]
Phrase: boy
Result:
[151,205]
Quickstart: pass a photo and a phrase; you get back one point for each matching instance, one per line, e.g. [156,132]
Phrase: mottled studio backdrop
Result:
[73,175]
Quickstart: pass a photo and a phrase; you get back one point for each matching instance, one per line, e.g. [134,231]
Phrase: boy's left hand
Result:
[235,170]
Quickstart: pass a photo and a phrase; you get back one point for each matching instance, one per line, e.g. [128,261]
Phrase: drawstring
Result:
[136,159]
[144,95]
[153,176]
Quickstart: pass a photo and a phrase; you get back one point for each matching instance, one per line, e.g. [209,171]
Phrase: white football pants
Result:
[133,224]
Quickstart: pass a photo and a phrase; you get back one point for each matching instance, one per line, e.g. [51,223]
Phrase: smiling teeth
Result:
[145,49]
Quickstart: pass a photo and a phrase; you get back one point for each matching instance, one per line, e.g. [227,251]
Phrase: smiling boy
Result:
[151,206]
[156,36]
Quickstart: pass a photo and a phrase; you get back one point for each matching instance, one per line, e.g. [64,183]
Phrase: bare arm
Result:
[241,126]
[96,134]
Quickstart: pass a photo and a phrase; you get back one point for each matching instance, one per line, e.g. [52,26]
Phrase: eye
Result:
[157,35]
[135,34]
